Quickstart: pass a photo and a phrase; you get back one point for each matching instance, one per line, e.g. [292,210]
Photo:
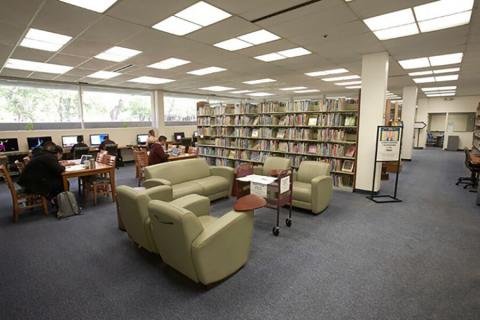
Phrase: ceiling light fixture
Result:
[354,87]
[151,80]
[217,88]
[390,20]
[197,16]
[307,91]
[415,63]
[348,83]
[104,75]
[270,57]
[284,54]
[241,91]
[99,6]
[441,8]
[326,72]
[44,40]
[260,94]
[27,65]
[448,70]
[451,21]
[233,44]
[204,71]
[441,95]
[444,59]
[341,78]
[450,77]
[420,73]
[247,40]
[266,80]
[293,88]
[168,63]
[439,88]
[117,54]
[424,80]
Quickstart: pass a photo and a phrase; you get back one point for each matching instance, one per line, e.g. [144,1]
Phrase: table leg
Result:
[65,183]
[112,183]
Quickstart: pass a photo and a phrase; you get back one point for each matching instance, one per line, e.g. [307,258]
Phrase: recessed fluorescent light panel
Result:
[450,77]
[284,54]
[266,80]
[260,94]
[44,40]
[204,71]
[448,70]
[150,80]
[429,17]
[95,5]
[439,88]
[420,73]
[307,91]
[433,61]
[326,72]
[195,17]
[104,75]
[441,95]
[348,83]
[241,91]
[169,63]
[424,80]
[117,54]
[293,88]
[27,65]
[354,87]
[341,78]
[217,88]
[247,40]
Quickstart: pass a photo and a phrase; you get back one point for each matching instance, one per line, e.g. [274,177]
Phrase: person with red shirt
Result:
[157,151]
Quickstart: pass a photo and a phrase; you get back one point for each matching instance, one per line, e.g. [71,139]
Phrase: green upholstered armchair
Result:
[206,249]
[312,186]
[272,163]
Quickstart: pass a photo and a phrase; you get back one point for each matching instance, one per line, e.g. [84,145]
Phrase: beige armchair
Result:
[204,248]
[133,210]
[272,163]
[312,186]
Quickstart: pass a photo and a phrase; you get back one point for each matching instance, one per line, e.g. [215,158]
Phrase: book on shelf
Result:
[255,133]
[281,134]
[256,121]
[347,166]
[350,152]
[312,121]
[350,121]
[312,148]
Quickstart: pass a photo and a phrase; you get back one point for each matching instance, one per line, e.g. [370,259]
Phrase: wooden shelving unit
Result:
[476,131]
[320,130]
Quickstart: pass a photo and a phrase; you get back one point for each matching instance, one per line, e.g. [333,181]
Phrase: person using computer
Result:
[105,142]
[43,174]
[80,144]
[157,151]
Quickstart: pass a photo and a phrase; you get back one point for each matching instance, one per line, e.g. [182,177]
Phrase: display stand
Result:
[418,126]
[388,148]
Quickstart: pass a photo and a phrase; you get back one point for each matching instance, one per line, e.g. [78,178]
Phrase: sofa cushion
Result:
[302,191]
[179,171]
[213,184]
[185,188]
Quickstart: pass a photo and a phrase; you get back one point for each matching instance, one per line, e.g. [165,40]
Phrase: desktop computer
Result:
[142,138]
[70,141]
[97,139]
[8,144]
[35,142]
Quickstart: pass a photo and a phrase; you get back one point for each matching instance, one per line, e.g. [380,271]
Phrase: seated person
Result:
[157,151]
[151,138]
[105,142]
[43,174]
[80,143]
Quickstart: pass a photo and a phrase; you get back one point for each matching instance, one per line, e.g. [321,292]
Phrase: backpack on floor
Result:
[67,205]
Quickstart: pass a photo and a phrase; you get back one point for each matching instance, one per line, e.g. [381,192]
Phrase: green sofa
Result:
[192,176]
[312,186]
[206,249]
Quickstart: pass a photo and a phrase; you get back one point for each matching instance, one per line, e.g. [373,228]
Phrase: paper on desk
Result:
[74,168]
[257,179]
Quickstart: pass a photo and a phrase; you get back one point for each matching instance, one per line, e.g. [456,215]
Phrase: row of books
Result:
[326,119]
[322,105]
[245,108]
[205,121]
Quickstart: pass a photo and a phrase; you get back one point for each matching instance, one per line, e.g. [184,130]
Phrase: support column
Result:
[372,106]
[159,121]
[408,118]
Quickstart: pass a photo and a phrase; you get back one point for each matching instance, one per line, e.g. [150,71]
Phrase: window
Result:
[180,110]
[25,103]
[461,122]
[121,106]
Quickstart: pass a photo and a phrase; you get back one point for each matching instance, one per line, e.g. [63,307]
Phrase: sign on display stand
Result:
[388,148]
[418,126]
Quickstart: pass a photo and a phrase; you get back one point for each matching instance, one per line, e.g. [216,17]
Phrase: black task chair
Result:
[471,181]
[78,152]
[112,149]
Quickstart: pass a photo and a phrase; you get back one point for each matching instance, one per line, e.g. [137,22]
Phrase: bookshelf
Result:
[320,130]
[476,131]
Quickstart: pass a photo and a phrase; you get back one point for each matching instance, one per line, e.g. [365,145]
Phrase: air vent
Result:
[123,68]
[307,3]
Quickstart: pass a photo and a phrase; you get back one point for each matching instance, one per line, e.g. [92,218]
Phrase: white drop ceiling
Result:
[128,23]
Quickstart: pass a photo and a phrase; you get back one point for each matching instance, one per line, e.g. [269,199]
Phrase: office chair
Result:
[112,149]
[471,181]
[78,152]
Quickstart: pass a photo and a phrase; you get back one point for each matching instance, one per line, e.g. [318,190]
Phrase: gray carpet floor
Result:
[419,259]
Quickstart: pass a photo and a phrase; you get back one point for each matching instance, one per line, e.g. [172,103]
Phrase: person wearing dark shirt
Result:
[43,174]
[105,142]
[157,151]
[79,144]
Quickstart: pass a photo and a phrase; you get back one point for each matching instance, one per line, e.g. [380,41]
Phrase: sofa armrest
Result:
[160,192]
[198,205]
[223,246]
[322,188]
[225,172]
[150,183]
[258,170]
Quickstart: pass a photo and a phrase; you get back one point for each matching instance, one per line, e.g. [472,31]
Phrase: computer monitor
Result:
[97,139]
[35,142]
[142,138]
[69,141]
[8,144]
[178,136]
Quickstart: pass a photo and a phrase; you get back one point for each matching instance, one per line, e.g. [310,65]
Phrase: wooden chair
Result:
[99,184]
[141,161]
[20,199]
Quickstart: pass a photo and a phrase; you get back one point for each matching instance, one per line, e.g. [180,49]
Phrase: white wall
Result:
[441,105]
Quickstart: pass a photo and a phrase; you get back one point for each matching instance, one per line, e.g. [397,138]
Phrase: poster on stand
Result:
[388,144]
